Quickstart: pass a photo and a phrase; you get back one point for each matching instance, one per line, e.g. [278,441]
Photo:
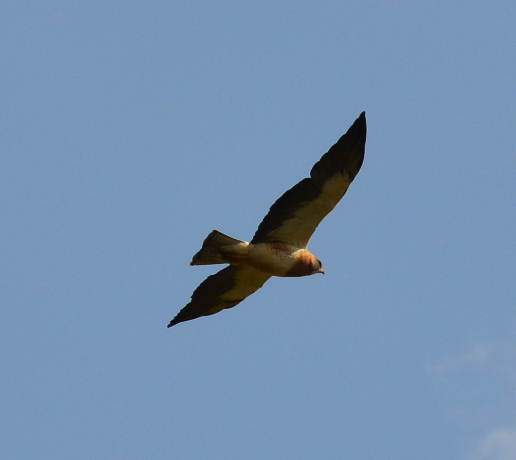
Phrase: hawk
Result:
[278,247]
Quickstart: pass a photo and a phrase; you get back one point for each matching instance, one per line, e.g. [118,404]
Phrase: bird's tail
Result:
[218,248]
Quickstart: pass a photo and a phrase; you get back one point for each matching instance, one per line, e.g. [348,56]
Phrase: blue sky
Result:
[129,131]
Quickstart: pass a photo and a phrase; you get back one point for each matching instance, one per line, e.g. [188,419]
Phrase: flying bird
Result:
[278,247]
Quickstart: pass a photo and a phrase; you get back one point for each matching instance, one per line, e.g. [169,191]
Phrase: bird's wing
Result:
[224,289]
[293,218]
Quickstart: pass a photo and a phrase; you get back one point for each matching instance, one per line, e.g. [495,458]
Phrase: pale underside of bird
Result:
[278,247]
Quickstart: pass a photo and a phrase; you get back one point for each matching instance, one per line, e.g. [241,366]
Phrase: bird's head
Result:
[317,267]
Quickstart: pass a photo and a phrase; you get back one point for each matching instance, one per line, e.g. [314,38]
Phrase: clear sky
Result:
[130,130]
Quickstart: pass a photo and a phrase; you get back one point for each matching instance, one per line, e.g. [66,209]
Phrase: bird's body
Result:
[280,259]
[278,247]
[277,259]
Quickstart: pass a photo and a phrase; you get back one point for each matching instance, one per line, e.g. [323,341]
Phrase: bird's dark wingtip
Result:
[179,318]
[359,127]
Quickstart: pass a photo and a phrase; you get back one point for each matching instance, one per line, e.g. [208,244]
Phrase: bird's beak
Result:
[321,270]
